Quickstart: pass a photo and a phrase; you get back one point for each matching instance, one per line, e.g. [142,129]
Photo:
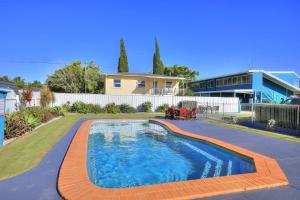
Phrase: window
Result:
[234,80]
[117,83]
[229,81]
[244,79]
[210,83]
[249,79]
[225,81]
[154,84]
[238,80]
[168,84]
[141,84]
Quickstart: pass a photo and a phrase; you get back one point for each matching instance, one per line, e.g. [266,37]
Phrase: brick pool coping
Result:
[74,183]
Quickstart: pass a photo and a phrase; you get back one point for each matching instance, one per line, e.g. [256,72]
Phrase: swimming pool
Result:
[122,154]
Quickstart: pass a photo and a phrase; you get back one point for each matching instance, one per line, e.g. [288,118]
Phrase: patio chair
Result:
[193,113]
[183,113]
[169,113]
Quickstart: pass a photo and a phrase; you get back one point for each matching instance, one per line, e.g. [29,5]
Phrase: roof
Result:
[8,86]
[267,74]
[281,82]
[245,72]
[148,75]
[4,90]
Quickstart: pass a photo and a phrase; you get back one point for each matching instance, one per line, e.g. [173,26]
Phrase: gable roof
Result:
[146,75]
[281,82]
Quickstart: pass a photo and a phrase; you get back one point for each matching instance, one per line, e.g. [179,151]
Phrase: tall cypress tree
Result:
[123,63]
[158,66]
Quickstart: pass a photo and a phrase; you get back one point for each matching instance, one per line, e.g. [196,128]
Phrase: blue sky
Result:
[211,36]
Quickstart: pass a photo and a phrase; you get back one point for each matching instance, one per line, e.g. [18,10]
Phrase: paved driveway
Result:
[286,153]
[41,181]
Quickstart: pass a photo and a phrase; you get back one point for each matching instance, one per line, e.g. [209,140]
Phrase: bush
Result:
[162,108]
[112,108]
[146,106]
[79,107]
[56,111]
[15,126]
[91,108]
[67,107]
[18,123]
[126,108]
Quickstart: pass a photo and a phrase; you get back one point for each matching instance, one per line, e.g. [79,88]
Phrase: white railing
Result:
[163,91]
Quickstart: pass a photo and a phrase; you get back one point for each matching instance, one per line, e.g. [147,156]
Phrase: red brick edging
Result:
[74,183]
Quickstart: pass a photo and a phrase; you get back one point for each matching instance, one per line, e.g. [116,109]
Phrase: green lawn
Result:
[255,131]
[27,151]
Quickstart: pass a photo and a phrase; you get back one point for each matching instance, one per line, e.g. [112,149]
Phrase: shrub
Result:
[79,107]
[126,108]
[27,95]
[56,111]
[47,96]
[146,106]
[112,108]
[15,126]
[18,123]
[67,106]
[162,108]
[92,108]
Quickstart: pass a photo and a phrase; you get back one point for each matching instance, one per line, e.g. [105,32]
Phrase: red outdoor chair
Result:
[193,113]
[170,113]
[183,113]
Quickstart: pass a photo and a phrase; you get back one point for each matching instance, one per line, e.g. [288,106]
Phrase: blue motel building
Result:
[249,86]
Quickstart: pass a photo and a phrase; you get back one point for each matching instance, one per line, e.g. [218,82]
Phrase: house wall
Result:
[220,88]
[269,89]
[129,85]
[2,116]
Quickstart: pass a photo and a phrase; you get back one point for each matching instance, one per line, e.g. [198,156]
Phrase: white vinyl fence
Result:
[226,104]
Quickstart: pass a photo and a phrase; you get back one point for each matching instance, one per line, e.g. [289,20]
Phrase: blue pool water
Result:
[133,153]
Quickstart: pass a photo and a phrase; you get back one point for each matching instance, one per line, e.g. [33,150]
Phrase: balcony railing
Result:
[163,91]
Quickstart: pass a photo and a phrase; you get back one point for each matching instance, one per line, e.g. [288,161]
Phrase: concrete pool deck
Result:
[41,181]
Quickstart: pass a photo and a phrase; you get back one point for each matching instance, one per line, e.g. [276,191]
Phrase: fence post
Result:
[223,111]
[252,112]
[298,116]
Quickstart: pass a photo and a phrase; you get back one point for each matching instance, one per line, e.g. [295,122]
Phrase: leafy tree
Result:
[20,82]
[158,66]
[123,62]
[181,71]
[74,78]
[35,84]
[4,78]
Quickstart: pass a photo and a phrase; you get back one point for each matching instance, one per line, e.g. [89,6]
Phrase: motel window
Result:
[210,83]
[168,84]
[225,81]
[117,83]
[202,85]
[244,79]
[229,81]
[141,84]
[249,79]
[234,80]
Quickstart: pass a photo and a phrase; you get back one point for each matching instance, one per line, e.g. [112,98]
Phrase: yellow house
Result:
[126,83]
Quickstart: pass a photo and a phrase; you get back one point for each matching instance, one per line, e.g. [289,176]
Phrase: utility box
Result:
[3,93]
